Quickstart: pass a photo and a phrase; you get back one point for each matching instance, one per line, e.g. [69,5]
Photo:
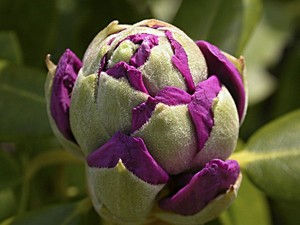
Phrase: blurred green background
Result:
[266,32]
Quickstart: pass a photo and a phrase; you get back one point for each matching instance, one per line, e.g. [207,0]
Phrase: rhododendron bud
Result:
[156,115]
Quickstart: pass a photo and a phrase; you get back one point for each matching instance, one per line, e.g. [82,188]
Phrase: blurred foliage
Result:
[41,184]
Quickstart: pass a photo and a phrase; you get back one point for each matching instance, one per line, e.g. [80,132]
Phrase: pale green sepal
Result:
[94,52]
[115,101]
[212,210]
[85,119]
[68,145]
[120,196]
[170,137]
[224,134]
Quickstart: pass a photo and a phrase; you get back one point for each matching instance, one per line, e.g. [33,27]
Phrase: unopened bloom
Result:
[156,116]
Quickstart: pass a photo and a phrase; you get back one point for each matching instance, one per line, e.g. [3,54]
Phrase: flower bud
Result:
[156,115]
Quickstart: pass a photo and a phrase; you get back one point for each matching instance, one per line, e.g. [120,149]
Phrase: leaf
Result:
[49,158]
[261,83]
[272,156]
[225,23]
[22,104]
[7,203]
[286,213]
[64,214]
[35,24]
[79,23]
[287,96]
[164,9]
[9,171]
[249,199]
[9,47]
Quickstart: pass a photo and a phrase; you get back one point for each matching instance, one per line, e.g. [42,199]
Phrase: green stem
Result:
[246,157]
[25,189]
[243,158]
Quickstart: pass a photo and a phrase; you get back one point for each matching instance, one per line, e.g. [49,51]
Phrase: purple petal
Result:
[134,76]
[169,96]
[134,155]
[156,26]
[103,64]
[142,113]
[63,82]
[220,66]
[111,40]
[173,96]
[147,42]
[200,108]
[213,180]
[180,61]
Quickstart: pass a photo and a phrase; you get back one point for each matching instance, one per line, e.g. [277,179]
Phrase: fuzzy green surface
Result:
[86,125]
[101,108]
[126,198]
[170,137]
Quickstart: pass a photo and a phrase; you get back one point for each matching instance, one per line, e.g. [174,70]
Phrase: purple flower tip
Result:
[200,108]
[214,179]
[66,73]
[173,96]
[142,113]
[220,66]
[180,61]
[169,96]
[134,76]
[146,42]
[134,155]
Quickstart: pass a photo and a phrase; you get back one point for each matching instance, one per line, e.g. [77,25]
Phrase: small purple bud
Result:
[134,155]
[200,108]
[214,179]
[220,66]
[63,82]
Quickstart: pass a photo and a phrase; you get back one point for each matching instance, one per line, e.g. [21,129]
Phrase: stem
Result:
[243,158]
[25,189]
[246,157]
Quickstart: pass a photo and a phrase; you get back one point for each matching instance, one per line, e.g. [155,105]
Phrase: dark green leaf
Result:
[7,203]
[9,171]
[9,47]
[225,23]
[286,213]
[82,20]
[48,158]
[164,9]
[35,24]
[64,214]
[22,104]
[287,96]
[272,157]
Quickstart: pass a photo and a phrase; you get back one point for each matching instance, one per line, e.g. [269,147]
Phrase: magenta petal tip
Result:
[65,76]
[134,155]
[220,66]
[214,179]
